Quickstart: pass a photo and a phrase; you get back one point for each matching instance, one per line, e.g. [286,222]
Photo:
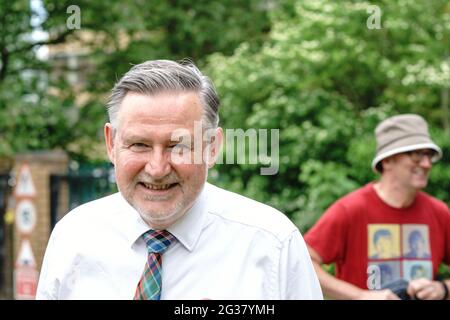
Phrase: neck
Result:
[394,194]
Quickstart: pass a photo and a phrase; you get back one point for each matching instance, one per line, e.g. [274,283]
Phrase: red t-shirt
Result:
[373,243]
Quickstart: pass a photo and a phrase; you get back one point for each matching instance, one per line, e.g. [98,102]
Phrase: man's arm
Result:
[339,289]
[297,278]
[48,286]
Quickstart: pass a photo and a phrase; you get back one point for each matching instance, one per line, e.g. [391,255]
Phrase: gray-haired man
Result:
[349,232]
[168,234]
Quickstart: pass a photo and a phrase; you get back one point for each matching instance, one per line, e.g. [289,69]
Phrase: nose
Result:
[158,166]
[425,162]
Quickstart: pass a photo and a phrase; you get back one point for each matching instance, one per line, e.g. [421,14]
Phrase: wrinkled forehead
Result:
[165,108]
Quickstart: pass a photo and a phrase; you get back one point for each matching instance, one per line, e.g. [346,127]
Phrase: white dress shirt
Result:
[228,247]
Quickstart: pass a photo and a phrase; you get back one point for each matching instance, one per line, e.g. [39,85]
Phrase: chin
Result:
[421,185]
[160,219]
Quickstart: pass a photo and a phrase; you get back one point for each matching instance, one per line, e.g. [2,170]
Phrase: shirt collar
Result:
[130,222]
[187,229]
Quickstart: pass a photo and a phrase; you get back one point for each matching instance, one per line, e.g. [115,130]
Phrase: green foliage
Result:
[312,69]
[444,271]
[325,80]
[40,107]
[324,183]
[439,183]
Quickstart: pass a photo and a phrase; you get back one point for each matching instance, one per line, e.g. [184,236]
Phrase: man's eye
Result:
[138,146]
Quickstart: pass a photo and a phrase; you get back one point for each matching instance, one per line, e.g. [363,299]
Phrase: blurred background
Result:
[322,72]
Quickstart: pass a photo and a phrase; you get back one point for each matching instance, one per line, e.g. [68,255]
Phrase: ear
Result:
[109,140]
[388,162]
[214,147]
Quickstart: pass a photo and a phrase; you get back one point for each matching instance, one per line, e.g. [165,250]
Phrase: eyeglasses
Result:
[418,155]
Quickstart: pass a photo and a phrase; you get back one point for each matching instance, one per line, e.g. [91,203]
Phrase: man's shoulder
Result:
[355,199]
[91,211]
[359,194]
[437,204]
[239,209]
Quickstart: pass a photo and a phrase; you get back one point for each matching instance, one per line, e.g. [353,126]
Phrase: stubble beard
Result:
[161,218]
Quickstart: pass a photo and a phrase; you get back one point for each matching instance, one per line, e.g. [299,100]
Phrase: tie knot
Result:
[158,240]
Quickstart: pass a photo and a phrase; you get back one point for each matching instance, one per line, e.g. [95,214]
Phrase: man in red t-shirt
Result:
[388,229]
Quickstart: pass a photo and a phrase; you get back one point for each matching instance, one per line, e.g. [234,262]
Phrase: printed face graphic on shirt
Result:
[384,241]
[417,269]
[416,241]
[398,251]
[384,272]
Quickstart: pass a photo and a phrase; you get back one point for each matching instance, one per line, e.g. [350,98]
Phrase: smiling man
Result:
[159,189]
[168,234]
[371,227]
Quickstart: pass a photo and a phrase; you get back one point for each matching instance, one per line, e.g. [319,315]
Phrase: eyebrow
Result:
[135,137]
[176,138]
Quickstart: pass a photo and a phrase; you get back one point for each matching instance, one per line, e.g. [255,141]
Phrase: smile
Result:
[157,186]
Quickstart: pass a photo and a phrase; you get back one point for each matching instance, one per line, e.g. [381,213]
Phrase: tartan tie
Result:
[149,286]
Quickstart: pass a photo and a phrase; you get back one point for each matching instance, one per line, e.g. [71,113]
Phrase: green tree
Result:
[325,80]
[40,106]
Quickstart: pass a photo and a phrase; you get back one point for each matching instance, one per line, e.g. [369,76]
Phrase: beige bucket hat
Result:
[402,133]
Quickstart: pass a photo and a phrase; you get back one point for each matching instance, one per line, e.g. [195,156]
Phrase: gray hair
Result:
[152,77]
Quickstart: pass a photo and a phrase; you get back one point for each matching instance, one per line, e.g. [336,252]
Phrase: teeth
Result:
[157,187]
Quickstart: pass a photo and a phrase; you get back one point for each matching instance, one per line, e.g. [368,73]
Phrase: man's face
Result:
[418,246]
[419,273]
[141,149]
[409,173]
[384,247]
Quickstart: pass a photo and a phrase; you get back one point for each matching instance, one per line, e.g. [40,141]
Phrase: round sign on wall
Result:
[25,216]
